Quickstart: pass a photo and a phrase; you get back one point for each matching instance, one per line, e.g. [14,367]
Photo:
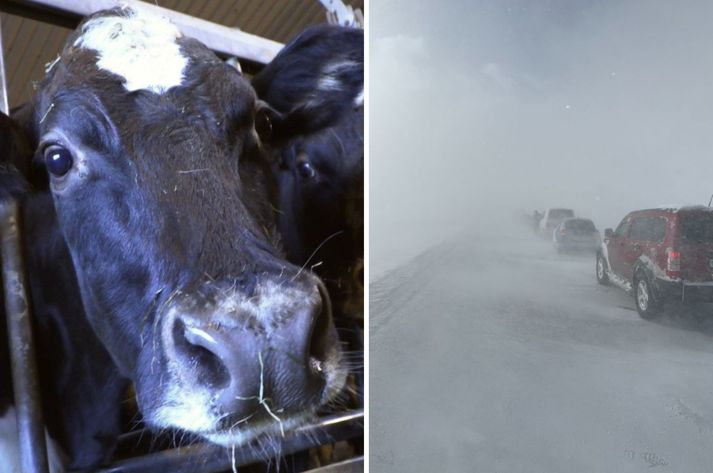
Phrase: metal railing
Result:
[25,376]
[209,458]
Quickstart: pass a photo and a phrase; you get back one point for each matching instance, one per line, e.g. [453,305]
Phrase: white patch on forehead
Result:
[328,82]
[330,76]
[141,48]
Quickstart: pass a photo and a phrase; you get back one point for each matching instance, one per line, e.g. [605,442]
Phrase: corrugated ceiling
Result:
[29,44]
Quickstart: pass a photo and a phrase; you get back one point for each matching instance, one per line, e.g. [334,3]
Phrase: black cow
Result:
[81,387]
[316,84]
[162,195]
[15,148]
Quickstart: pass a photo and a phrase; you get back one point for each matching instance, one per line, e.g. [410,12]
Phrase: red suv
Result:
[661,255]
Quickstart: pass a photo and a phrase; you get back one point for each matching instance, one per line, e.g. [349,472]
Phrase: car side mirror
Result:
[608,233]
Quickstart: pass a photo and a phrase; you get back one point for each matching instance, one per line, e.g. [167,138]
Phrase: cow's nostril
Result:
[198,354]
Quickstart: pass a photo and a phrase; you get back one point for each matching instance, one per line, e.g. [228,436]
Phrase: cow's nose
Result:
[242,359]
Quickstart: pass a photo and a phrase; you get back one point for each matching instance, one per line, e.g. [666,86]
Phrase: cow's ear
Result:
[268,122]
[275,127]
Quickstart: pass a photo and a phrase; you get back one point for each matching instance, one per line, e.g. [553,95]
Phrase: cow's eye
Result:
[58,160]
[306,170]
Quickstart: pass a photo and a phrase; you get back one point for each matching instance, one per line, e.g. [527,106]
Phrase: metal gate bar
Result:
[25,378]
[220,38]
[353,465]
[208,458]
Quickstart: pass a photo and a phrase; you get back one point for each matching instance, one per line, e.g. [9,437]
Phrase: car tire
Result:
[601,270]
[647,305]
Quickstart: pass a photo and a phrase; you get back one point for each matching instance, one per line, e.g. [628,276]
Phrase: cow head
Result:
[162,195]
[316,86]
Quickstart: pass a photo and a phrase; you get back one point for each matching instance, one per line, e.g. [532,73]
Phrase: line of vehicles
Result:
[660,256]
[568,233]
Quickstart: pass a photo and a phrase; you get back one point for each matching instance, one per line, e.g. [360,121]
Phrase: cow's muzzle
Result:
[252,356]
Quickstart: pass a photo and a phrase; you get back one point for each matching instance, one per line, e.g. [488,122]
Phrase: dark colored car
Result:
[660,255]
[576,234]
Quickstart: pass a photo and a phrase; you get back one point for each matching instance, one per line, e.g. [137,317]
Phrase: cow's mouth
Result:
[248,429]
[257,417]
[237,367]
[270,421]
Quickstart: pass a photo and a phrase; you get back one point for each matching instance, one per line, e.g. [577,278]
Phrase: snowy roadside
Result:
[397,286]
[495,354]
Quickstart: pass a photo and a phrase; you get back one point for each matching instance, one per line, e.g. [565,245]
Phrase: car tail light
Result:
[673,263]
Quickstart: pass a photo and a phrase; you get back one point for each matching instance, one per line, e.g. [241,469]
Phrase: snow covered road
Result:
[494,354]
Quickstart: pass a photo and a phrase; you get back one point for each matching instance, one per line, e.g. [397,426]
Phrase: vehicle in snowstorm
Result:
[576,235]
[660,256]
[551,218]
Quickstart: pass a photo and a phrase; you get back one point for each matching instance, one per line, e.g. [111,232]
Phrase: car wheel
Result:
[646,304]
[602,276]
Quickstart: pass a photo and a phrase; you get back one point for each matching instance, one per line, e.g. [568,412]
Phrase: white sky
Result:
[488,109]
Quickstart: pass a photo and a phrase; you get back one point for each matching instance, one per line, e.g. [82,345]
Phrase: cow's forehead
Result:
[139,47]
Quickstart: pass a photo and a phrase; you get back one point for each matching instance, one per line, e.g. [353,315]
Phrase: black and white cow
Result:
[162,195]
[316,84]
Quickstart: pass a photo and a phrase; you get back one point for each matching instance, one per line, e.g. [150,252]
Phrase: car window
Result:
[697,228]
[658,229]
[561,213]
[638,231]
[580,225]
[623,228]
[648,229]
